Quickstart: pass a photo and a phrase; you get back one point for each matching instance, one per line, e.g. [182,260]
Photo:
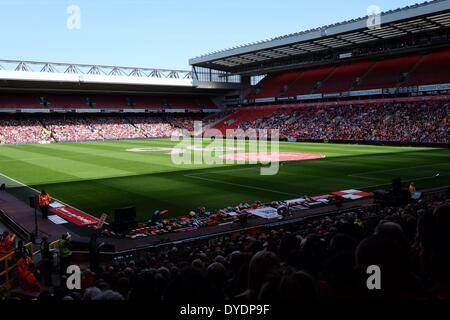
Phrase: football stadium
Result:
[278,171]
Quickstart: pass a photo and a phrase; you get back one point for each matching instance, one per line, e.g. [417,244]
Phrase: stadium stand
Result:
[104,101]
[345,77]
[419,122]
[273,85]
[308,81]
[388,72]
[405,70]
[145,102]
[21,129]
[432,69]
[16,129]
[401,122]
[19,101]
[240,117]
[66,101]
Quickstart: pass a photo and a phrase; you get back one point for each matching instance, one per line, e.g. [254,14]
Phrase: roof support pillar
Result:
[246,86]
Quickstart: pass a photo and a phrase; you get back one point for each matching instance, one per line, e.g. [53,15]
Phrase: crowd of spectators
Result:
[21,129]
[81,128]
[421,122]
[165,125]
[58,128]
[408,122]
[324,258]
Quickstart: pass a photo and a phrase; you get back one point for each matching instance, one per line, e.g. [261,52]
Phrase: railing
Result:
[7,269]
[13,226]
[8,265]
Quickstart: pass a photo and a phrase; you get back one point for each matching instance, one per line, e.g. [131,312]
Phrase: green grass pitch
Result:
[98,177]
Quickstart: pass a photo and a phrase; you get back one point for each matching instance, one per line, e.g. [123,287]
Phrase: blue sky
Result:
[159,33]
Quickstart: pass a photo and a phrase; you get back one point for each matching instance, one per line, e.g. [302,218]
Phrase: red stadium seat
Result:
[308,80]
[434,68]
[344,77]
[19,100]
[98,101]
[387,73]
[272,85]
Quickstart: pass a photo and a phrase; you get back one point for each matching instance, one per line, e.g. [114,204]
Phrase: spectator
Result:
[94,252]
[47,261]
[25,274]
[65,253]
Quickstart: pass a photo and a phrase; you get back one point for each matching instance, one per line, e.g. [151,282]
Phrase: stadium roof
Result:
[418,18]
[48,68]
[16,74]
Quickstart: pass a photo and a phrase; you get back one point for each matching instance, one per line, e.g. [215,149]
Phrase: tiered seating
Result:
[272,85]
[182,102]
[307,81]
[19,128]
[434,68]
[66,101]
[19,100]
[150,102]
[96,101]
[357,76]
[343,78]
[404,122]
[242,116]
[82,101]
[108,101]
[301,264]
[387,73]
[206,103]
[31,128]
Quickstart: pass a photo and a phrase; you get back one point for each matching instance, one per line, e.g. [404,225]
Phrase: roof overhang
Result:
[394,24]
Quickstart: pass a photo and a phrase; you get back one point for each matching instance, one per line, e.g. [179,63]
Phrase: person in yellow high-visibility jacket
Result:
[65,252]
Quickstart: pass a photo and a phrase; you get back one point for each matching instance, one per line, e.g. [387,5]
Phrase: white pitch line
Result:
[227,170]
[241,185]
[37,191]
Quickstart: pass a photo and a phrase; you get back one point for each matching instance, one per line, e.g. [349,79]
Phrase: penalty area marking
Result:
[272,156]
[262,157]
